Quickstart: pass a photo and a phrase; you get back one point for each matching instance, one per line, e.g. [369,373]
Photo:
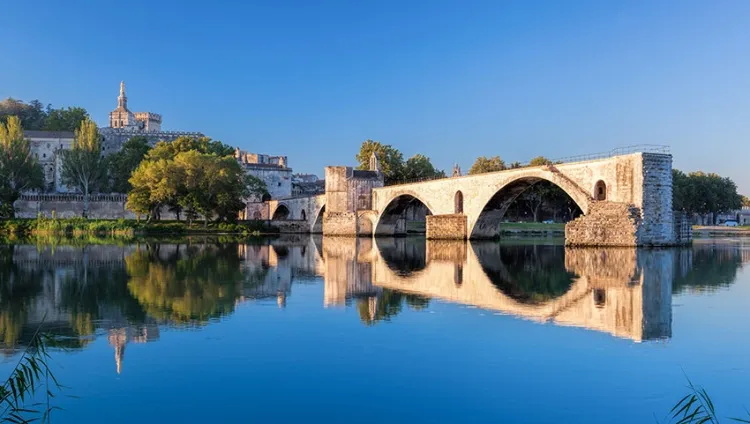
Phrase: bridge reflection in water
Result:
[625,292]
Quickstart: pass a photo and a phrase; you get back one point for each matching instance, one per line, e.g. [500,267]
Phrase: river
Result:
[312,329]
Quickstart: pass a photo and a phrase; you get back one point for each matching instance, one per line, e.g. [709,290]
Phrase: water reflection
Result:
[128,292]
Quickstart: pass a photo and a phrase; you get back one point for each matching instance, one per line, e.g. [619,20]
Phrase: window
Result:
[44,155]
[48,145]
[600,190]
[458,201]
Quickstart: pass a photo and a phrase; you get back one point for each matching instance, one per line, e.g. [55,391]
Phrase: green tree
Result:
[391,160]
[745,201]
[701,193]
[196,180]
[32,115]
[67,119]
[122,164]
[155,183]
[539,161]
[82,165]
[419,167]
[484,164]
[19,169]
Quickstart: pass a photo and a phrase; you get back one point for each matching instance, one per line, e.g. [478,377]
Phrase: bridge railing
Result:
[638,148]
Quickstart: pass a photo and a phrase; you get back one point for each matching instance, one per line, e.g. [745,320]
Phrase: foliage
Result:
[419,167]
[484,164]
[197,285]
[697,408]
[702,193]
[79,227]
[82,165]
[168,150]
[745,201]
[391,159]
[67,119]
[197,176]
[34,116]
[19,169]
[30,376]
[121,164]
[539,161]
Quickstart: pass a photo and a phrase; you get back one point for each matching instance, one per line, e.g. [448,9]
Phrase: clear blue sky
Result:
[452,80]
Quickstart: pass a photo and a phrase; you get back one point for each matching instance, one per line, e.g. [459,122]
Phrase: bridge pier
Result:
[446,227]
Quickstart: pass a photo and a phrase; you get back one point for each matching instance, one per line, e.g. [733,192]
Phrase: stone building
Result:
[273,170]
[46,147]
[307,185]
[124,125]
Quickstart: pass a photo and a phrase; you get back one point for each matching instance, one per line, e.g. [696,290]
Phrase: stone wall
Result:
[657,227]
[606,224]
[683,228]
[71,206]
[446,227]
[291,226]
[340,223]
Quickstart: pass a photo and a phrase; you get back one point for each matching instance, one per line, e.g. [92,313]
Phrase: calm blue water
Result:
[344,330]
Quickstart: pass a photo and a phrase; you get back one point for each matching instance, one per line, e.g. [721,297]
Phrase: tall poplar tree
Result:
[19,169]
[82,165]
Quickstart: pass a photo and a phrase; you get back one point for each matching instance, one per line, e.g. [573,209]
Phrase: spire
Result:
[374,162]
[122,100]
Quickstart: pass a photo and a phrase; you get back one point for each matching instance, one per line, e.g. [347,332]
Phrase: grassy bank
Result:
[125,228]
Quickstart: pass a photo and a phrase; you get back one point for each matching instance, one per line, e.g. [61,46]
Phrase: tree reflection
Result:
[707,267]
[526,273]
[197,283]
[388,304]
[19,286]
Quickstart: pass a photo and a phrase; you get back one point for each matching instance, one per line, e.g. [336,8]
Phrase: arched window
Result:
[600,190]
[458,202]
[600,298]
[304,215]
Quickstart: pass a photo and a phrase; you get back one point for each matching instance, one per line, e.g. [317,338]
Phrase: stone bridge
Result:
[623,292]
[626,200]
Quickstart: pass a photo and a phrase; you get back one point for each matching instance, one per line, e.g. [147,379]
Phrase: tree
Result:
[19,169]
[484,164]
[122,164]
[745,201]
[64,119]
[701,193]
[391,160]
[419,167]
[539,161]
[195,180]
[32,115]
[82,165]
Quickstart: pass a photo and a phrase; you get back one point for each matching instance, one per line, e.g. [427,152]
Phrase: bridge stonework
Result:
[626,200]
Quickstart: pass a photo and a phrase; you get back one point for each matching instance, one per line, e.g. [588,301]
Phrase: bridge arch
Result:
[281,212]
[488,212]
[392,219]
[317,224]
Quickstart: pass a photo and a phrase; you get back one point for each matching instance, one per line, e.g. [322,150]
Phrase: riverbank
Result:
[716,231]
[127,228]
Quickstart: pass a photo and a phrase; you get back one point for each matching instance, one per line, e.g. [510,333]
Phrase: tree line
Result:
[197,177]
[35,116]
